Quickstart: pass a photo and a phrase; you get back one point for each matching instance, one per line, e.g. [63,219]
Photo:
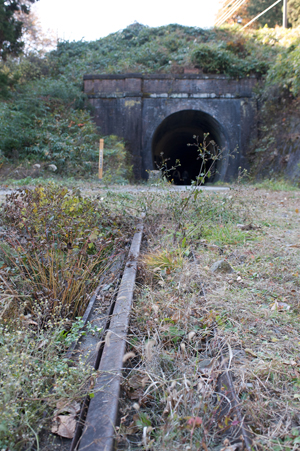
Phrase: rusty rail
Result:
[229,405]
[238,431]
[99,424]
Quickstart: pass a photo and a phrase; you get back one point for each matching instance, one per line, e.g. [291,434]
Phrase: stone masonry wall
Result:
[133,106]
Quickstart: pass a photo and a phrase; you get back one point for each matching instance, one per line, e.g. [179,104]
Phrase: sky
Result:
[92,19]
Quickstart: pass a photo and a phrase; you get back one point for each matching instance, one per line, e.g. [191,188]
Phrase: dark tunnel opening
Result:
[176,138]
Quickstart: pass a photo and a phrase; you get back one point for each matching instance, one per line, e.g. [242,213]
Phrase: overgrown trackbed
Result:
[187,313]
[218,287]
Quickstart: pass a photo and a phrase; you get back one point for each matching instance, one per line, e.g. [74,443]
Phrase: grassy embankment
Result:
[42,109]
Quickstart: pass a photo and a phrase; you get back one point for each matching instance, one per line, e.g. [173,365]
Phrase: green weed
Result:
[164,260]
[35,377]
[226,234]
[277,185]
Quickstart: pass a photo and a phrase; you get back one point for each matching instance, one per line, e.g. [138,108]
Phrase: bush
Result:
[285,72]
[63,242]
[117,165]
[43,123]
[216,59]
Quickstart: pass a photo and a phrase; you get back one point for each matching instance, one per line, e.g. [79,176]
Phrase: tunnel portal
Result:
[158,113]
[175,146]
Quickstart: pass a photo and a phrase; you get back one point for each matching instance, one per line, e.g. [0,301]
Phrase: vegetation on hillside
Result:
[43,112]
[165,49]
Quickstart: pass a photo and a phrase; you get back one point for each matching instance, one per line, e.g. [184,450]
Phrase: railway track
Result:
[96,424]
[97,421]
[188,378]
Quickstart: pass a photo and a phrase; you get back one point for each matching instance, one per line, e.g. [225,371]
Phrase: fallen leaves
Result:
[234,447]
[289,362]
[135,388]
[132,427]
[191,335]
[107,338]
[64,420]
[194,421]
[206,366]
[249,351]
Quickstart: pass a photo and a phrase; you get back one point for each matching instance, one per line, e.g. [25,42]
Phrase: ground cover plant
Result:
[44,124]
[185,312]
[55,244]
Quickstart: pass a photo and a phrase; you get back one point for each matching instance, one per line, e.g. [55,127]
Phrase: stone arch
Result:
[175,139]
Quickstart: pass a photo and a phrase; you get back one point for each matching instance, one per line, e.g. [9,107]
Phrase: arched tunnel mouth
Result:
[176,143]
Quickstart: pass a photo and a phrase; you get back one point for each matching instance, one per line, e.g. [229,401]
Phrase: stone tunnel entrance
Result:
[176,139]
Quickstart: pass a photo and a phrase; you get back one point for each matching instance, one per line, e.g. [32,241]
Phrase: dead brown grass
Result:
[255,310]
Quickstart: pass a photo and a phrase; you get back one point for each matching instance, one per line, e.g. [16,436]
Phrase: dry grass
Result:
[255,310]
[59,281]
[184,314]
[54,245]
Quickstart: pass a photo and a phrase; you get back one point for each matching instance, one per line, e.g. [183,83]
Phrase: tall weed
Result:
[59,244]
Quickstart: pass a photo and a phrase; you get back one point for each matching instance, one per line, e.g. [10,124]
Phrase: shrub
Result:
[284,73]
[45,122]
[117,167]
[216,59]
[64,241]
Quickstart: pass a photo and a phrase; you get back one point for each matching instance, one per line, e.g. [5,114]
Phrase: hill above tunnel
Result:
[43,109]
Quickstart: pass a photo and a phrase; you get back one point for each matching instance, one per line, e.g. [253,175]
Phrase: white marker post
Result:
[101,147]
[284,19]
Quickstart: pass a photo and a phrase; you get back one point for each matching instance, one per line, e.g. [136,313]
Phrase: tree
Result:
[294,12]
[252,8]
[239,16]
[274,16]
[36,40]
[11,27]
[271,18]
